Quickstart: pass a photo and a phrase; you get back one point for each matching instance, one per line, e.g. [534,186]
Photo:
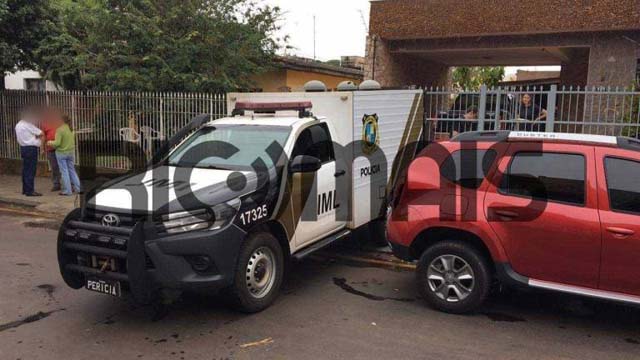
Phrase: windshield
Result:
[229,147]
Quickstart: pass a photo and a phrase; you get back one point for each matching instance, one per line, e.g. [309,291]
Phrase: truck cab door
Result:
[619,200]
[317,202]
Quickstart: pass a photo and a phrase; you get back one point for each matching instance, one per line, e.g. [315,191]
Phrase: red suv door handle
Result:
[503,215]
[506,214]
[620,232]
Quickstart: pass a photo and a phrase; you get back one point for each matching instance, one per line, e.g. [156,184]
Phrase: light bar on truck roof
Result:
[271,107]
[596,139]
[274,106]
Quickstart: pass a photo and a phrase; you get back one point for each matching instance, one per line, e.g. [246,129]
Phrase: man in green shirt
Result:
[65,145]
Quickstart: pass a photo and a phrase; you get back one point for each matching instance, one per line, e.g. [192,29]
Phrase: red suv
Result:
[545,210]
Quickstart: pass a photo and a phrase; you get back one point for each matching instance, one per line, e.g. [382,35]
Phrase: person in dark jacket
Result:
[534,114]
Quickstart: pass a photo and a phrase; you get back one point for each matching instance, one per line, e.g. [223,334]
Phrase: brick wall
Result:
[420,19]
[400,70]
[612,61]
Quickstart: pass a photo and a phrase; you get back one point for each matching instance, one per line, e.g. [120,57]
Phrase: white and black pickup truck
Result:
[238,197]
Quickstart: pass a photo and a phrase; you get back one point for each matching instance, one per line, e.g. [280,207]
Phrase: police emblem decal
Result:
[370,136]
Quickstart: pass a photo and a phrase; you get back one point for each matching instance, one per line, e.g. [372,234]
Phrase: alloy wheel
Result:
[451,278]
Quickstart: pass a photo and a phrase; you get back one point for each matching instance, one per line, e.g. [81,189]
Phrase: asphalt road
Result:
[328,310]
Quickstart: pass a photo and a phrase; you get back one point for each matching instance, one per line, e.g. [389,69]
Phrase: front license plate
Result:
[108,287]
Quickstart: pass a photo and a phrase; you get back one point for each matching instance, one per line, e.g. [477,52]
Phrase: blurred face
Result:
[471,115]
[30,115]
[526,99]
[52,117]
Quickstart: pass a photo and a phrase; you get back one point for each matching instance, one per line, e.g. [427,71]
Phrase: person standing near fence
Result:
[50,122]
[29,138]
[533,113]
[65,146]
[468,122]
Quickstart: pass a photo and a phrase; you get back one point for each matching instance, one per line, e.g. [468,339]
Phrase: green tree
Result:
[24,26]
[473,77]
[161,45]
[334,62]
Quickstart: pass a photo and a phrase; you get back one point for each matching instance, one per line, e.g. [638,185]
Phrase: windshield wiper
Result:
[179,165]
[208,167]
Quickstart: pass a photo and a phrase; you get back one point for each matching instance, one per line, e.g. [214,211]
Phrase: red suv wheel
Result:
[453,277]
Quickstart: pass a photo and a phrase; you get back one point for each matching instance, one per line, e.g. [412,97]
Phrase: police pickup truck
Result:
[236,198]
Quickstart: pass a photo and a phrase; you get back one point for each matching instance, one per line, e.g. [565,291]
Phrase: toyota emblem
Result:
[111,220]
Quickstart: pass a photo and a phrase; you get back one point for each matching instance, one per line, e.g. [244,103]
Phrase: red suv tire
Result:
[454,277]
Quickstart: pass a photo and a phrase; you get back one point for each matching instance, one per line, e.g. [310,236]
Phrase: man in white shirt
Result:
[29,138]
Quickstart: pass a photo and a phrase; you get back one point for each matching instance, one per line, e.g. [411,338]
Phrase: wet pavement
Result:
[329,309]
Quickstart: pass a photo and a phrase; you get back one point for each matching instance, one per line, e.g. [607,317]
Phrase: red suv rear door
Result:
[619,194]
[542,205]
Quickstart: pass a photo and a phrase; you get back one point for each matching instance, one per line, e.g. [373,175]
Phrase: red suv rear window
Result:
[468,167]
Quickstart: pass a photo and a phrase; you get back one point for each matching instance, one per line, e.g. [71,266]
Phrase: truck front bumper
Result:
[144,261]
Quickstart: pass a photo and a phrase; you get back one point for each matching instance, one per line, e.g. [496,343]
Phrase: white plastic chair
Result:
[151,134]
[129,135]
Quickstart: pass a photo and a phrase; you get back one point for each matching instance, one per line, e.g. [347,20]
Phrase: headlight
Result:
[223,214]
[215,218]
[187,221]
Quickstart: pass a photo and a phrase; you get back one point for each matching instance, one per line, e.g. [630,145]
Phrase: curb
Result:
[372,261]
[29,212]
[18,202]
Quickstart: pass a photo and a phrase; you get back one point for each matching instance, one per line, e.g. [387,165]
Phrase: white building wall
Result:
[16,80]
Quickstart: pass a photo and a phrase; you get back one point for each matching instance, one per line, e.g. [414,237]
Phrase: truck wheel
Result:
[453,277]
[259,274]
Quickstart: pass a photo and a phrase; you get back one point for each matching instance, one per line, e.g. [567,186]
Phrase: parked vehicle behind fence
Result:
[544,210]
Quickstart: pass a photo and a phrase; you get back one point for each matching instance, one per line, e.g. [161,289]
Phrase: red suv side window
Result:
[623,185]
[547,176]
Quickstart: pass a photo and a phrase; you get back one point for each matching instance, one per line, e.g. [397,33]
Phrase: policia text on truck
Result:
[238,197]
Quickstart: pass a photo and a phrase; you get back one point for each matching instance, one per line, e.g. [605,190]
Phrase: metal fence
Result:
[604,111]
[111,119]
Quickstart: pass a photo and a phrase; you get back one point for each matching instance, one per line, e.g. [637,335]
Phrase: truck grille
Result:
[97,250]
[95,216]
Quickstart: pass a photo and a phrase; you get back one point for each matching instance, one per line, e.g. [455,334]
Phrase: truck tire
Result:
[259,274]
[453,277]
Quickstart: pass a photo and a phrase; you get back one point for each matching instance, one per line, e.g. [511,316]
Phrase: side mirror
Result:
[304,164]
[423,174]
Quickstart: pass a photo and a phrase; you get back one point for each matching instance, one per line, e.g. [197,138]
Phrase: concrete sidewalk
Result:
[50,202]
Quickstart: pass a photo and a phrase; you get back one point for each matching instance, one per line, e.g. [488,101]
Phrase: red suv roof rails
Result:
[626,143]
